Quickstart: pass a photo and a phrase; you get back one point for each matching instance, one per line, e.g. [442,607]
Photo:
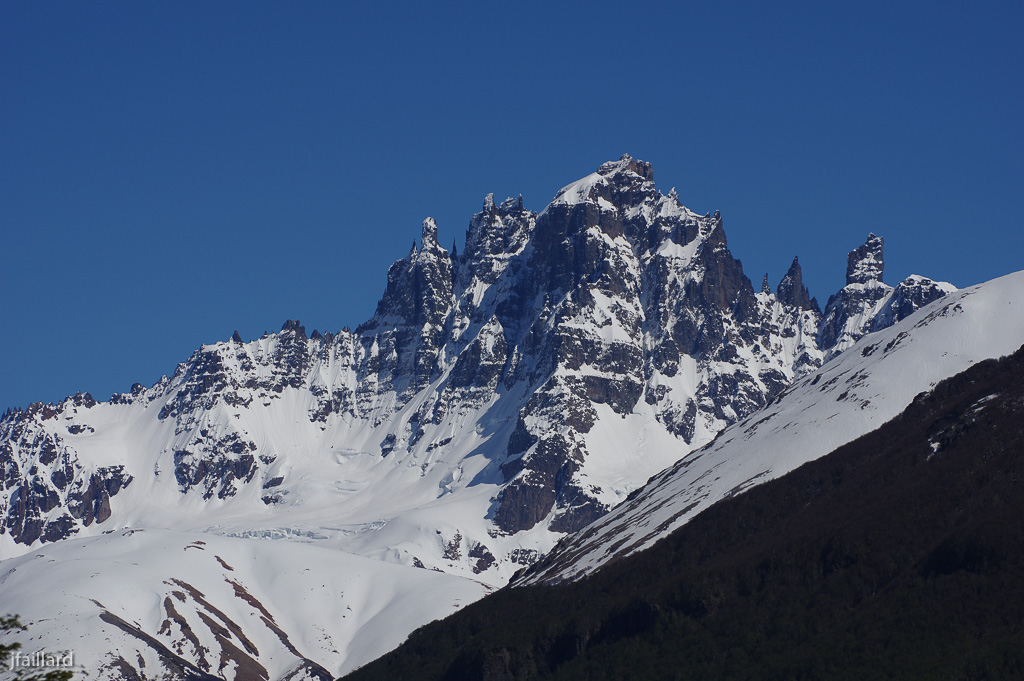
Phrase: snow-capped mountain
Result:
[870,383]
[497,399]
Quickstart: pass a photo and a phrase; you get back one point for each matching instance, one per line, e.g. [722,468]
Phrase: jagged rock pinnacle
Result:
[791,289]
[642,168]
[429,238]
[295,326]
[510,205]
[864,263]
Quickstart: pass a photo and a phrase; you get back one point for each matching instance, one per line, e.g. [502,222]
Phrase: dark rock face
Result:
[615,252]
[41,473]
[791,290]
[864,263]
[615,301]
[415,304]
[215,465]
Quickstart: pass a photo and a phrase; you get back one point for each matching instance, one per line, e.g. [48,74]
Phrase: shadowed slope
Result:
[899,555]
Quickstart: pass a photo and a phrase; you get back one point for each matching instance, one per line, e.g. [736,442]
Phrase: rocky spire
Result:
[791,290]
[765,287]
[849,311]
[428,242]
[864,263]
[488,206]
[494,235]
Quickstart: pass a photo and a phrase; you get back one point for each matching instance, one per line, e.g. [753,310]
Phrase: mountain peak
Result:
[864,263]
[627,164]
[626,172]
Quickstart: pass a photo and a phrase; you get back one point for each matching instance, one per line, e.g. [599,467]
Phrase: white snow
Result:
[337,609]
[579,191]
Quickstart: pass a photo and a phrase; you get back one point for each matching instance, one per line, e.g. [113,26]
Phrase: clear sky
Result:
[171,172]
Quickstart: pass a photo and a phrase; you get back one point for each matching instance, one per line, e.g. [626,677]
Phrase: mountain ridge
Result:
[435,307]
[498,399]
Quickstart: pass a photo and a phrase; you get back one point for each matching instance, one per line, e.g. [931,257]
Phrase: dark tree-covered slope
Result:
[899,555]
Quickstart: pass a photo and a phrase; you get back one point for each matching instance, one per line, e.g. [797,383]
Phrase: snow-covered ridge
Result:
[593,185]
[860,390]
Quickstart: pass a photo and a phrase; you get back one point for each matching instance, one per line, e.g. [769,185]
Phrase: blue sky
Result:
[171,173]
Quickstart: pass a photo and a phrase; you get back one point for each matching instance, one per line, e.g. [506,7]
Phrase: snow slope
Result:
[854,394]
[164,601]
